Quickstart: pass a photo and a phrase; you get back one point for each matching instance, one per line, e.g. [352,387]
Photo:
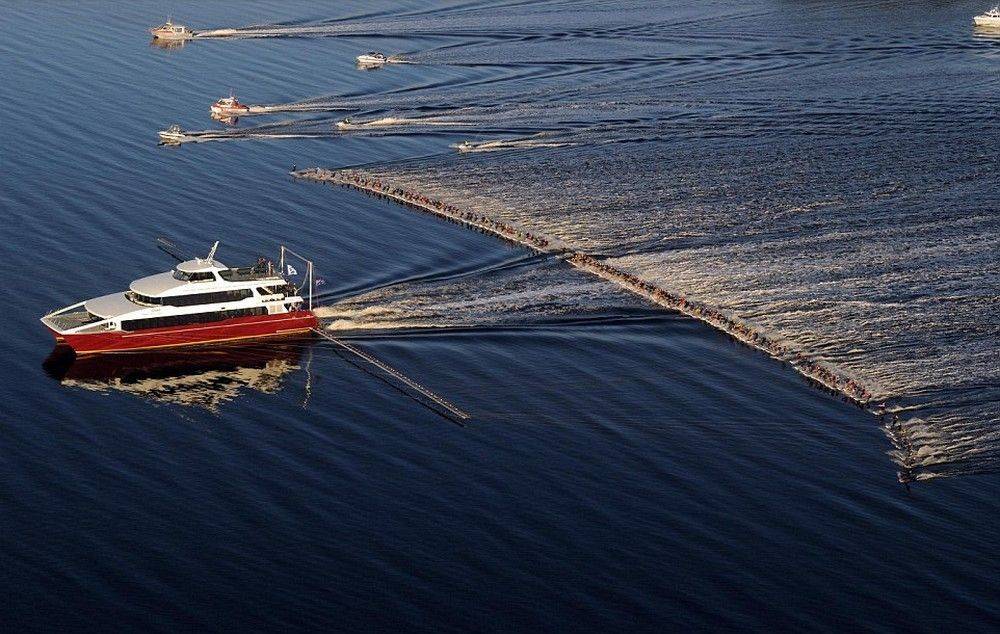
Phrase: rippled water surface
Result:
[825,175]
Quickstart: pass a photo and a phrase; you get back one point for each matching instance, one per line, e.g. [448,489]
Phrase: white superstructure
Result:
[990,18]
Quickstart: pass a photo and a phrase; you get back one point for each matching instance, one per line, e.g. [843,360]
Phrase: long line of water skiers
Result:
[733,326]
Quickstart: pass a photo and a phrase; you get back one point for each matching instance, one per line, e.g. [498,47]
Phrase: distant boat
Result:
[345,123]
[170,31]
[229,106]
[990,18]
[372,58]
[173,134]
[464,146]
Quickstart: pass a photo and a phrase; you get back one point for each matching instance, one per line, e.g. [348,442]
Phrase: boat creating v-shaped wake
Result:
[200,301]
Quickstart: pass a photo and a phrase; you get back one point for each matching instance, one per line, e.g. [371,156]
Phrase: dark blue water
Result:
[625,468]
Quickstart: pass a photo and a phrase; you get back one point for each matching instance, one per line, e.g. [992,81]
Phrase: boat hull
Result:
[236,329]
[983,20]
[229,112]
[170,36]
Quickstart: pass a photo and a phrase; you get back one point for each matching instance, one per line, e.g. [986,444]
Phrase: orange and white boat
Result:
[229,107]
[201,301]
[169,31]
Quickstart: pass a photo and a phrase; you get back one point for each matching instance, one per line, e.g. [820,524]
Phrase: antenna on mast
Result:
[211,254]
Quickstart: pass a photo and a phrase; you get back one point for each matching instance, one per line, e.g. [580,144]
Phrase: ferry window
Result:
[193,277]
[169,321]
[137,298]
[246,274]
[208,298]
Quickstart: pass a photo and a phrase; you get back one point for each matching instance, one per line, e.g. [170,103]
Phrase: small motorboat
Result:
[372,58]
[170,31]
[200,301]
[990,18]
[464,146]
[173,134]
[229,107]
[345,123]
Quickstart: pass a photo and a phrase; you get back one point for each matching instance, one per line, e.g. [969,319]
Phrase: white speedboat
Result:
[201,301]
[464,146]
[345,124]
[990,18]
[170,31]
[173,134]
[372,58]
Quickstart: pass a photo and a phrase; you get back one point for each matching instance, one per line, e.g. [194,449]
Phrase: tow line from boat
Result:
[396,374]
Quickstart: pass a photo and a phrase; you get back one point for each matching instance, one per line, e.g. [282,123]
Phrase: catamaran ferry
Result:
[201,301]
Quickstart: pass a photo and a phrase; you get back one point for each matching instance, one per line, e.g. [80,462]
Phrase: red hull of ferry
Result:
[235,329]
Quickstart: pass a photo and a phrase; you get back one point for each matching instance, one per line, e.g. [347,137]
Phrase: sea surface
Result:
[822,172]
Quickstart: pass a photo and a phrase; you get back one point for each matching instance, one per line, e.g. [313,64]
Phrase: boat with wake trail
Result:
[371,58]
[990,18]
[170,31]
[201,301]
[229,107]
[173,134]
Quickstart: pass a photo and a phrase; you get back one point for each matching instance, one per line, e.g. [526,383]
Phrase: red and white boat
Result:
[229,107]
[171,32]
[201,301]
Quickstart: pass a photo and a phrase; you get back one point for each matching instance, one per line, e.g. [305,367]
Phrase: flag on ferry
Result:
[291,270]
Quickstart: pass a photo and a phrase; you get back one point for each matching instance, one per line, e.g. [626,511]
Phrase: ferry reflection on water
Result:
[205,377]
